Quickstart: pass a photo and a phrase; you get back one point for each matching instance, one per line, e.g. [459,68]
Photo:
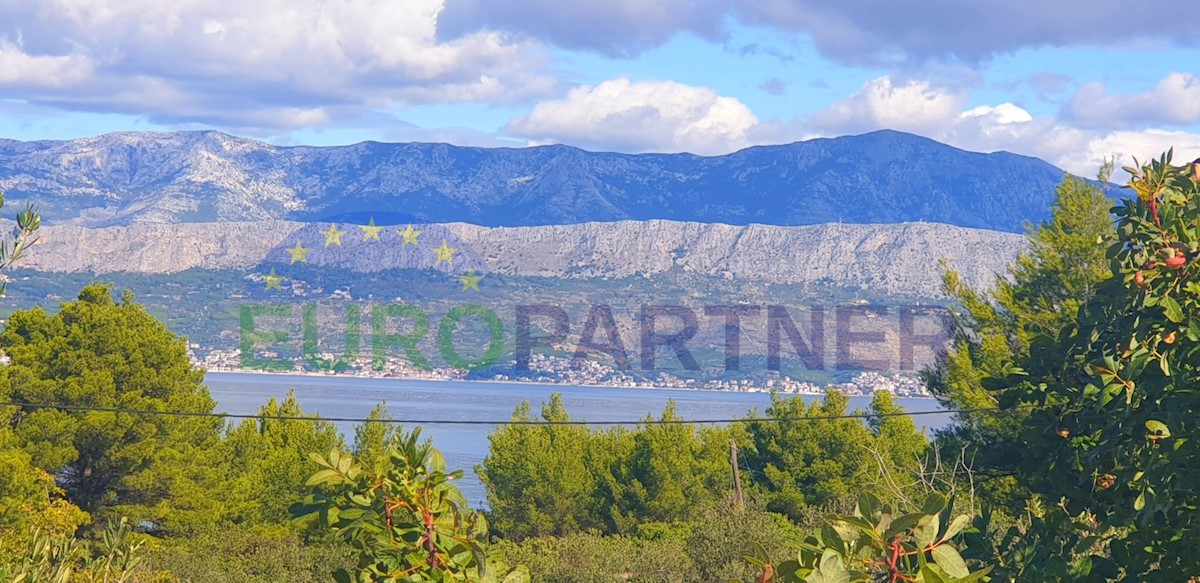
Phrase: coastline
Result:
[306,374]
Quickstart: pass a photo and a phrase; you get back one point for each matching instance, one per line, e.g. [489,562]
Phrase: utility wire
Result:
[152,412]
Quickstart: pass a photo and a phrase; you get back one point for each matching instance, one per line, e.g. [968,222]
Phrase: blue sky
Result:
[1070,82]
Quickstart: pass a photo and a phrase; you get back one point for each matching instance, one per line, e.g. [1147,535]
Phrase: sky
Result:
[1070,82]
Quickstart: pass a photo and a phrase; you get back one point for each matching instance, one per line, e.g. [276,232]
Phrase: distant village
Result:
[551,369]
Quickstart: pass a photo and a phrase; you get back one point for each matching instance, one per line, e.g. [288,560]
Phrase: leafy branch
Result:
[23,237]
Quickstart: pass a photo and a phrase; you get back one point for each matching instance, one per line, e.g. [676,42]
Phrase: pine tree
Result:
[74,374]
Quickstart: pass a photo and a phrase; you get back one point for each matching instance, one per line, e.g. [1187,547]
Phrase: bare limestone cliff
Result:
[893,259]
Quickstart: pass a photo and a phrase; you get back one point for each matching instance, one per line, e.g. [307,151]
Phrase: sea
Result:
[465,445]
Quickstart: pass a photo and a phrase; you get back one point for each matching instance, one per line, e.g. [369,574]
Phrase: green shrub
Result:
[243,556]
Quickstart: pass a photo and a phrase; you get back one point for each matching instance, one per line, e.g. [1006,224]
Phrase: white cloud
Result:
[268,64]
[1126,145]
[1080,151]
[1174,100]
[665,116]
[18,68]
[1003,114]
[922,108]
[912,106]
[658,116]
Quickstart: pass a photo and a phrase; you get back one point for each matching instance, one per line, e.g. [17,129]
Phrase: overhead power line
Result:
[153,412]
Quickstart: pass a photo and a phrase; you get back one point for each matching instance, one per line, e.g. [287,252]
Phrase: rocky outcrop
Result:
[892,259]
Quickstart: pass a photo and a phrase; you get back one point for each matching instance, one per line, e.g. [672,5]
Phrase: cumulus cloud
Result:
[18,68]
[1081,151]
[658,116]
[882,103]
[1174,100]
[664,116]
[939,113]
[270,64]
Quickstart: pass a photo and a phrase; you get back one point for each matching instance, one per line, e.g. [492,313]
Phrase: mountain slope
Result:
[881,177]
[900,259]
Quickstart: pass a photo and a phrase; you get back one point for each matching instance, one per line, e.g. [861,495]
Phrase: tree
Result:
[30,503]
[1042,291]
[75,372]
[405,517]
[371,438]
[670,471]
[898,447]
[558,479]
[266,461]
[878,543]
[25,491]
[1113,408]
[813,455]
[539,478]
[62,559]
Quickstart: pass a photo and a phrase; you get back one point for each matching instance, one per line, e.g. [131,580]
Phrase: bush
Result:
[243,556]
[722,539]
[593,558]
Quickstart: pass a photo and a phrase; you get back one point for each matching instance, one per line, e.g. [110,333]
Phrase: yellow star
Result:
[272,281]
[333,236]
[370,231]
[410,235]
[445,253]
[470,280]
[299,253]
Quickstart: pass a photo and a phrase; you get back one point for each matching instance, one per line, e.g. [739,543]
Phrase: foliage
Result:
[1115,406]
[803,455]
[877,543]
[541,479]
[56,559]
[24,236]
[667,473]
[266,458]
[98,353]
[30,503]
[898,449]
[555,478]
[710,548]
[405,517]
[1040,294]
[1040,546]
[593,558]
[243,555]
[371,438]
[720,538]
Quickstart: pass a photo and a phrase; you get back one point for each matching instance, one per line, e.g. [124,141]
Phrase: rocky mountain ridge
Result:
[891,259]
[197,177]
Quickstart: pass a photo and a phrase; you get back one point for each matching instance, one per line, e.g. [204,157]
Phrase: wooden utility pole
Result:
[737,476]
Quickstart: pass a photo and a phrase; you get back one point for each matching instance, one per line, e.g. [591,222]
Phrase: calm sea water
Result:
[466,445]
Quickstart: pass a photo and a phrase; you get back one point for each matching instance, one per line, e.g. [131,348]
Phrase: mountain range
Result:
[888,260]
[195,177]
[195,223]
